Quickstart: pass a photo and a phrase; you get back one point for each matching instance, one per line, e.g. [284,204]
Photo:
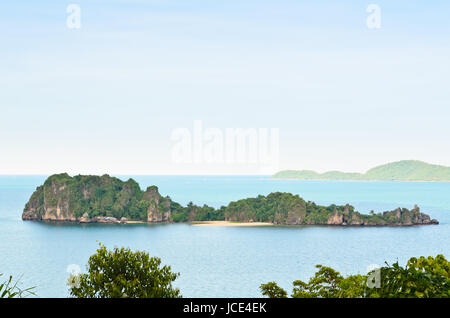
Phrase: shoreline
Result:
[232,223]
[229,223]
[356,180]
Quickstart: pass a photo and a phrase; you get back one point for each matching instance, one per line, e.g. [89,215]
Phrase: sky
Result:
[125,91]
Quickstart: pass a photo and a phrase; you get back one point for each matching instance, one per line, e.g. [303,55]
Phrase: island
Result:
[106,199]
[405,170]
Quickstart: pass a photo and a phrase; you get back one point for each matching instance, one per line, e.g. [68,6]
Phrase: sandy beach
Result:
[228,223]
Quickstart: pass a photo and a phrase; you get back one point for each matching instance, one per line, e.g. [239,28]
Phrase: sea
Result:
[226,261]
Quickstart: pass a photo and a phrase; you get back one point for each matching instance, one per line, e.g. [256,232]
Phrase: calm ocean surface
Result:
[226,261]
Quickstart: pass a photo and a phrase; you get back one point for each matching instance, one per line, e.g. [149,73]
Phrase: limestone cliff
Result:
[289,209]
[105,199]
[159,208]
[398,217]
[90,199]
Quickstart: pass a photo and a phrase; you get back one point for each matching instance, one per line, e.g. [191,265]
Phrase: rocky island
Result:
[106,199]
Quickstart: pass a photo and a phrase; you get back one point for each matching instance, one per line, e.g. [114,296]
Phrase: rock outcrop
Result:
[94,199]
[336,219]
[288,209]
[397,217]
[159,208]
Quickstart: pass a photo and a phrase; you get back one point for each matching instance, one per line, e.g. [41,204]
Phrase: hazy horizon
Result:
[188,174]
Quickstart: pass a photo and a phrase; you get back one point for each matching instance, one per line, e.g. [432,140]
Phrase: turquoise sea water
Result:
[226,261]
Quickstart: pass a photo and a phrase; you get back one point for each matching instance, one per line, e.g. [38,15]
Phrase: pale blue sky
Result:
[105,98]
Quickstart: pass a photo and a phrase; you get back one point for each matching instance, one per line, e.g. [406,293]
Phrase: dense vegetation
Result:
[122,273]
[406,170]
[84,198]
[423,277]
[287,208]
[194,212]
[105,195]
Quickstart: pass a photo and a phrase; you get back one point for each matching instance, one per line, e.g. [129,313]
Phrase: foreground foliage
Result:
[121,273]
[11,289]
[423,277]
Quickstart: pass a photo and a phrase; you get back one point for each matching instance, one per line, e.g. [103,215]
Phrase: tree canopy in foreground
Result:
[122,273]
[423,277]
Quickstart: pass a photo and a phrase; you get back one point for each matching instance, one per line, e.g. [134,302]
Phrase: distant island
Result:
[405,170]
[105,199]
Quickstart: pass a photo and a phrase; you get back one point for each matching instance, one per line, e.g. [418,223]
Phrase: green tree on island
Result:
[122,273]
[423,277]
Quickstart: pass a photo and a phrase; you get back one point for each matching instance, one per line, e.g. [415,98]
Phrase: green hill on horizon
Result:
[405,170]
